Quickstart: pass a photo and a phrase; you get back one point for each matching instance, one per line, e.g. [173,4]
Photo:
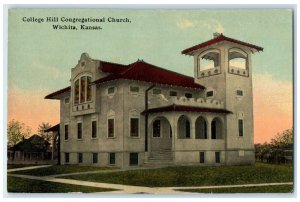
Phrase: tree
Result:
[283,139]
[41,131]
[16,131]
[262,151]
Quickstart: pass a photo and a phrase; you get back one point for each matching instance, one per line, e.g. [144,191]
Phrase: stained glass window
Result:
[89,89]
[77,91]
[82,88]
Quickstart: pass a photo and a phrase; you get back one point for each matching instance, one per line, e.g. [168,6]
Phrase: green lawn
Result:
[265,189]
[195,175]
[60,169]
[21,185]
[12,166]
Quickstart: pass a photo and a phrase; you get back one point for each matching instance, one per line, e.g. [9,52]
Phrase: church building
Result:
[139,114]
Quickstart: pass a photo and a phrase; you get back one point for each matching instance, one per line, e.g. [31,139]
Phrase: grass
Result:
[258,189]
[60,169]
[21,185]
[12,166]
[195,175]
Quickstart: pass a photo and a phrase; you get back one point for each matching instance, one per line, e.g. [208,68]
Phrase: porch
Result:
[174,134]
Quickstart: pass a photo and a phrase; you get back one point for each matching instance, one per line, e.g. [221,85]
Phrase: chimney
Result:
[216,34]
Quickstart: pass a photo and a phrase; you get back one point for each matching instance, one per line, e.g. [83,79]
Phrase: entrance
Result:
[160,135]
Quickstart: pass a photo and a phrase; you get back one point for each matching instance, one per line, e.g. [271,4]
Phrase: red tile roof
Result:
[142,71]
[220,38]
[59,92]
[112,67]
[181,108]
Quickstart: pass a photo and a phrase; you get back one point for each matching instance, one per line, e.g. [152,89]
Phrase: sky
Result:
[40,58]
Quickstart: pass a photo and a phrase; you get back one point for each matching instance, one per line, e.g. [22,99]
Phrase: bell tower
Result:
[223,65]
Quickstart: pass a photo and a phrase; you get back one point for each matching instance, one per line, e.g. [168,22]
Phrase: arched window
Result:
[208,60]
[82,92]
[237,59]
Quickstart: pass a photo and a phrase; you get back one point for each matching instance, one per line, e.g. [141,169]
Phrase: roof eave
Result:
[172,108]
[57,94]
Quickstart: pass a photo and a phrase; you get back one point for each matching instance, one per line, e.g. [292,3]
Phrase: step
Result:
[160,159]
[161,153]
[155,164]
[159,163]
[161,156]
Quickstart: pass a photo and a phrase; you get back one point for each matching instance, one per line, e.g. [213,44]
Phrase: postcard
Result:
[150,101]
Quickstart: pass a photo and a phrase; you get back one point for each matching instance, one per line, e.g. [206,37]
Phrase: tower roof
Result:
[217,39]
